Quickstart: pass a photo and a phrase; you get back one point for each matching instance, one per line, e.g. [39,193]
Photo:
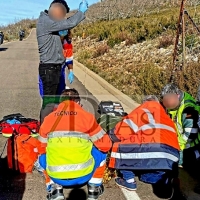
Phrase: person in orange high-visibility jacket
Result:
[145,140]
[73,148]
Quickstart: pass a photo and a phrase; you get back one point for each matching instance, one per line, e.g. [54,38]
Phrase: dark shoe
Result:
[177,194]
[197,189]
[56,194]
[122,183]
[95,191]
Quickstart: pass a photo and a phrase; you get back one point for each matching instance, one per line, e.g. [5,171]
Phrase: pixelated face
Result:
[58,13]
[171,101]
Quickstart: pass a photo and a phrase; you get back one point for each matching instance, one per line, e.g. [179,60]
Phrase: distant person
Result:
[1,37]
[21,35]
[51,25]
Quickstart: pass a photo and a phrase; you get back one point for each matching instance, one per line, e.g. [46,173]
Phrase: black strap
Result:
[112,136]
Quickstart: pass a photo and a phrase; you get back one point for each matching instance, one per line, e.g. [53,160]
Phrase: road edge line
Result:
[130,195]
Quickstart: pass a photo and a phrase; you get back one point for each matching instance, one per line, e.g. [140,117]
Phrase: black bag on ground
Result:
[111,113]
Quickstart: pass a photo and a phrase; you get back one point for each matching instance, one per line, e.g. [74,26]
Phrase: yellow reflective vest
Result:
[176,115]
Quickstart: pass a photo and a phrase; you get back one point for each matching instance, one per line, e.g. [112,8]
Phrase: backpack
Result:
[22,152]
[110,114]
[108,122]
[22,146]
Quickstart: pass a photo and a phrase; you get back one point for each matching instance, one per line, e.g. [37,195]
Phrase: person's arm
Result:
[70,66]
[54,26]
[190,124]
[99,137]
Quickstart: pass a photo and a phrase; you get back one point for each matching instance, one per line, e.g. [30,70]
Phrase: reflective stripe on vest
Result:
[191,130]
[67,134]
[147,155]
[131,124]
[42,139]
[94,138]
[70,167]
[152,124]
[98,135]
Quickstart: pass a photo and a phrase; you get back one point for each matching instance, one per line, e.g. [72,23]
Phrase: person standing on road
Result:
[51,25]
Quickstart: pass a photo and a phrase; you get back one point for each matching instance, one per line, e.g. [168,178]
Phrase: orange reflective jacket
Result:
[70,117]
[146,139]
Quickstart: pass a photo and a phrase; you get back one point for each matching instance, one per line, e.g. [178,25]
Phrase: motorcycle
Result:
[21,35]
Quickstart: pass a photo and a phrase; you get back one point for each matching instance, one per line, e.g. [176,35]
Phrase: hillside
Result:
[11,31]
[135,54]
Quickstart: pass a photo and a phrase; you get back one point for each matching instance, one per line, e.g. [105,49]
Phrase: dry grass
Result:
[11,31]
[165,41]
[101,50]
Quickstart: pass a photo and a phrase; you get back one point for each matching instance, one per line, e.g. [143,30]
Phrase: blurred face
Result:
[57,12]
[171,101]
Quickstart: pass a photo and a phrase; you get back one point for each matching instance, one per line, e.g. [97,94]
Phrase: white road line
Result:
[130,195]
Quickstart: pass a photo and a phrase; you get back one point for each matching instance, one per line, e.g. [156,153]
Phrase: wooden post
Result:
[183,40]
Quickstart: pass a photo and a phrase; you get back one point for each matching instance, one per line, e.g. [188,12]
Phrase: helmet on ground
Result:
[170,89]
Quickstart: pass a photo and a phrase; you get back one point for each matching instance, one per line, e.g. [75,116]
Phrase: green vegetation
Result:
[132,30]
[140,78]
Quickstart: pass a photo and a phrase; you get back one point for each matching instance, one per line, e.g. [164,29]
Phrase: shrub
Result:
[165,41]
[84,55]
[131,30]
[188,80]
[101,50]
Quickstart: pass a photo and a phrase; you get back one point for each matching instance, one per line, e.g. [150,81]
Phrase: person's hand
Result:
[180,164]
[63,33]
[83,7]
[71,77]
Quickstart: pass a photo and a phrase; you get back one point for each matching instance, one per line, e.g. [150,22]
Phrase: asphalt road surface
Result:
[19,94]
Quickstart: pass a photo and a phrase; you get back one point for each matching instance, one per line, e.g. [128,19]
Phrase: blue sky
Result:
[11,10]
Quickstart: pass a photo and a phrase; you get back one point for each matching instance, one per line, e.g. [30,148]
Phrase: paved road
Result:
[19,93]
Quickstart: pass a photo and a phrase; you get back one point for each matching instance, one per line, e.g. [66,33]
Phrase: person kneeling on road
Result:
[145,141]
[184,111]
[73,148]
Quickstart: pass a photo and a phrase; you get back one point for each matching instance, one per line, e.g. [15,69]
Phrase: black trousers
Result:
[50,78]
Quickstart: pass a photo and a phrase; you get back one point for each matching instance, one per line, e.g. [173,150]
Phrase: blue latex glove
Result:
[71,77]
[63,33]
[83,7]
